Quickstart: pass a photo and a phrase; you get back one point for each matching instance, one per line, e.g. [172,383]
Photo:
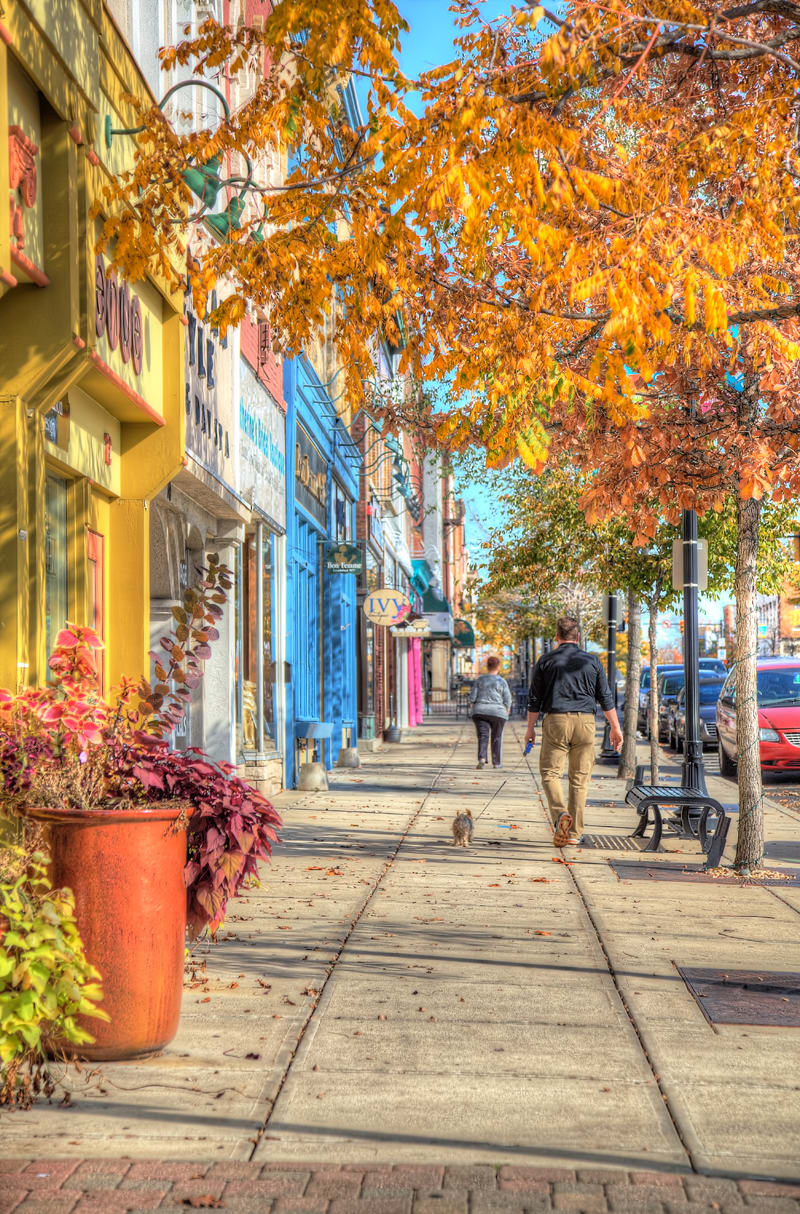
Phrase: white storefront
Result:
[202,511]
[261,584]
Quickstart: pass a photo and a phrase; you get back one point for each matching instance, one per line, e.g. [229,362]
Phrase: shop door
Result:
[96,552]
[308,671]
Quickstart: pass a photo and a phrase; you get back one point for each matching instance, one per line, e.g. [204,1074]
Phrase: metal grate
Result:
[628,870]
[613,842]
[711,729]
[793,736]
[745,996]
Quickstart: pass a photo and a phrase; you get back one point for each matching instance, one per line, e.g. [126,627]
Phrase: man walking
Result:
[566,686]
[491,704]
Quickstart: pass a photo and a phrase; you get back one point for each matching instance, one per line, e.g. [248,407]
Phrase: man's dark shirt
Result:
[569,680]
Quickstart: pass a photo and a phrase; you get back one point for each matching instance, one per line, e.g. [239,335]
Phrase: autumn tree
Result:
[589,233]
[546,538]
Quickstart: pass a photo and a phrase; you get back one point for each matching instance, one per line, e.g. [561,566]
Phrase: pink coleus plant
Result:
[64,746]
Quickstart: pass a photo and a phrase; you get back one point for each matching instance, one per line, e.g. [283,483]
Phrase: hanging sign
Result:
[344,558]
[463,634]
[387,607]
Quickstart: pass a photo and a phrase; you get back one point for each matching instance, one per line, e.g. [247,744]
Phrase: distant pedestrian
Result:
[491,707]
[566,686]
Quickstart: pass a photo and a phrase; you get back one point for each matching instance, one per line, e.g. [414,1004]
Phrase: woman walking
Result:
[491,707]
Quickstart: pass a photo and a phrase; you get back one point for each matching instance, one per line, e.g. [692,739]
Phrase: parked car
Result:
[709,690]
[708,666]
[644,691]
[669,685]
[778,697]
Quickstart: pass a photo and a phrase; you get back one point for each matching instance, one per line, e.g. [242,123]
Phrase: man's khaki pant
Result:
[567,735]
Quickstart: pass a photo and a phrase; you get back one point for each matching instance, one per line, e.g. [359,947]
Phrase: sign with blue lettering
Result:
[387,607]
[262,447]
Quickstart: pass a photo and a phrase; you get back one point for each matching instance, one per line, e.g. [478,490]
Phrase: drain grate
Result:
[745,996]
[614,842]
[628,871]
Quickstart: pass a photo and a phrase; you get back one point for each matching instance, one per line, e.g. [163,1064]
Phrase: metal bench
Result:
[646,797]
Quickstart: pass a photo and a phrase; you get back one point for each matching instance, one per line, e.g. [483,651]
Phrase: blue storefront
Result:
[320,607]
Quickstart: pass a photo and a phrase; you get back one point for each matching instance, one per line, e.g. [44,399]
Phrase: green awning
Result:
[463,634]
[422,575]
[433,605]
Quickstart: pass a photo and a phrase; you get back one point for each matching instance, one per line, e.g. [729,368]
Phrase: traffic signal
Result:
[681,627]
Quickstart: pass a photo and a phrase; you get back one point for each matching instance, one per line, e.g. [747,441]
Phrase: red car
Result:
[778,693]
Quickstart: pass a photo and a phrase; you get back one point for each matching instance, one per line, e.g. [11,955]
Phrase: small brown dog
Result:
[462,829]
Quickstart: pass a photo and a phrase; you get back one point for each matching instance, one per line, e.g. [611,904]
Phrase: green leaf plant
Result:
[45,979]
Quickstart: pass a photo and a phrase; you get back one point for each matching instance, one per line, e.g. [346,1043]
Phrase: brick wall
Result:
[256,350]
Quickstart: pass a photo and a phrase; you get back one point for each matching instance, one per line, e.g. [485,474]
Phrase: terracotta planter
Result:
[126,872]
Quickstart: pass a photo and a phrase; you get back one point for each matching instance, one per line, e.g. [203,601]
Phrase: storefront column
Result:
[129,590]
[401,666]
[219,709]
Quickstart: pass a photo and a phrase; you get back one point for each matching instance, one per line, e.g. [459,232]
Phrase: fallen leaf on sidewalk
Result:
[206,1201]
[558,860]
[536,880]
[284,927]
[538,933]
[314,868]
[334,872]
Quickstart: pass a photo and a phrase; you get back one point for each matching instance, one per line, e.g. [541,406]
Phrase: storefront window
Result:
[56,567]
[255,654]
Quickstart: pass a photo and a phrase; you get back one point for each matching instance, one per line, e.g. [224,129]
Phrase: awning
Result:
[437,614]
[432,603]
[463,635]
[422,575]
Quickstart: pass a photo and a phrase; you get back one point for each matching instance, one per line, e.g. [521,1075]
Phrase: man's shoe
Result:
[497,766]
[481,763]
[574,840]
[564,828]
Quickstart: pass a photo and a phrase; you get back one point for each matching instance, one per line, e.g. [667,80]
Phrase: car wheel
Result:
[727,767]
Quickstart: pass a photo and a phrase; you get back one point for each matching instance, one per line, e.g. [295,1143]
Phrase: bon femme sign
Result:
[118,315]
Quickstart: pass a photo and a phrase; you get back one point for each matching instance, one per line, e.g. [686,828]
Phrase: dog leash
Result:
[499,789]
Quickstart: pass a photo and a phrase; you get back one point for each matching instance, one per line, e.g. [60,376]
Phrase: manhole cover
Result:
[632,871]
[613,842]
[745,996]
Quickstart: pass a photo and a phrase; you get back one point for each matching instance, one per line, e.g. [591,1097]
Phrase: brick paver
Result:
[121,1187]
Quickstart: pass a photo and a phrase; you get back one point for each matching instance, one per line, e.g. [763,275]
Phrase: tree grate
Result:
[637,871]
[758,997]
[613,842]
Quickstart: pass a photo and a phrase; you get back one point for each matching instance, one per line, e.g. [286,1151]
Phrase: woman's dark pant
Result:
[484,727]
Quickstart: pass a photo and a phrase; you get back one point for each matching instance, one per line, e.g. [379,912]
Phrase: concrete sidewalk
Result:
[386,999]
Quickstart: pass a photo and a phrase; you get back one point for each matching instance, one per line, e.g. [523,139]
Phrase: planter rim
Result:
[164,811]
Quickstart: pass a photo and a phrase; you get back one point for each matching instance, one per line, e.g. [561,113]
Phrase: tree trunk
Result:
[627,759]
[653,712]
[750,842]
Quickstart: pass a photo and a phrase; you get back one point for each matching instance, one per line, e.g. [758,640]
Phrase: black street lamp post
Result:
[607,751]
[693,774]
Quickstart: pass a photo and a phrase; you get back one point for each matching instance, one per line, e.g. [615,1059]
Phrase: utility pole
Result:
[693,774]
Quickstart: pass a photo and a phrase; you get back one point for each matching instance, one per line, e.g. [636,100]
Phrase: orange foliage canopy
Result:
[592,223]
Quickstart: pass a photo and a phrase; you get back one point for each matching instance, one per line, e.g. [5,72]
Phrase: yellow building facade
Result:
[91,369]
